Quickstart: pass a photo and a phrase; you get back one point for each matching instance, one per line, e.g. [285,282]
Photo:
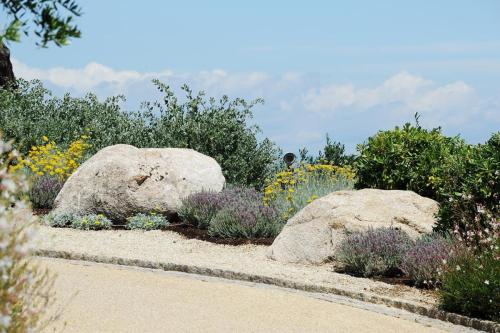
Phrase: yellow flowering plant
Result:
[292,189]
[50,159]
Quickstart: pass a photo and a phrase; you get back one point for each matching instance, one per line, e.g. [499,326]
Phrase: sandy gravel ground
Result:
[108,298]
[170,247]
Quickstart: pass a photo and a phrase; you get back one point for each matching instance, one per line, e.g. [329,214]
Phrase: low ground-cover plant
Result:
[147,222]
[25,289]
[91,222]
[82,222]
[59,220]
[423,262]
[235,212]
[292,189]
[374,252]
[44,190]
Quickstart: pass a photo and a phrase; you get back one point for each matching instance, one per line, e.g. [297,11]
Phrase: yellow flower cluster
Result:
[50,159]
[286,183]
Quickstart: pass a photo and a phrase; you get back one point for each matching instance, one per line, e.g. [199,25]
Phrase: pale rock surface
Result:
[122,180]
[314,233]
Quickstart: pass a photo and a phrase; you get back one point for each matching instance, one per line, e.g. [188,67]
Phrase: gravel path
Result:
[170,247]
[111,298]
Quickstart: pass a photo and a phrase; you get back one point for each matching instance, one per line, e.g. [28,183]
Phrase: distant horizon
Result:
[343,69]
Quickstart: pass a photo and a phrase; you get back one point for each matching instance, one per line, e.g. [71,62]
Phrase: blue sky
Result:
[345,68]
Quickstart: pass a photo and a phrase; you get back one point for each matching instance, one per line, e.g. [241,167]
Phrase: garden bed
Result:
[191,232]
[169,250]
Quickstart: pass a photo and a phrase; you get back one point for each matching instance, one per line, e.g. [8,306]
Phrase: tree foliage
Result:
[49,20]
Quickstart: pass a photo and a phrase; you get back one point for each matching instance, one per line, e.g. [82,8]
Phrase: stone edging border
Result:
[434,313]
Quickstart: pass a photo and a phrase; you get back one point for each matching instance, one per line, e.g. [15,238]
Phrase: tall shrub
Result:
[474,200]
[218,128]
[463,178]
[411,158]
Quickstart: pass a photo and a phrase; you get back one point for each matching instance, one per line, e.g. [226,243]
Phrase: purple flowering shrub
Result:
[374,252]
[423,262]
[44,191]
[235,212]
[198,209]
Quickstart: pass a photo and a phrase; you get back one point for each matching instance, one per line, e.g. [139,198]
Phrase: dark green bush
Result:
[219,129]
[463,178]
[474,199]
[411,158]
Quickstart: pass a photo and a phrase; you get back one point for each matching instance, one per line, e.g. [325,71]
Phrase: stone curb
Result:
[430,312]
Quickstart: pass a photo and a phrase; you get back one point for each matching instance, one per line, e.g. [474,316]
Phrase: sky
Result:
[346,68]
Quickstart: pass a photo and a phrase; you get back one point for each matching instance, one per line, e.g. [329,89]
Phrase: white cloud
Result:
[300,107]
[94,74]
[402,93]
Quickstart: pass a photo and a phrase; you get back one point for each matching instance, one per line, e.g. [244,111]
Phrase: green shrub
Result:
[474,200]
[464,179]
[471,285]
[59,220]
[44,191]
[219,129]
[147,222]
[411,158]
[91,222]
[374,252]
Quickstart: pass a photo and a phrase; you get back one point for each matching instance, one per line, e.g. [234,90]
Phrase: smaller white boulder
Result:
[314,233]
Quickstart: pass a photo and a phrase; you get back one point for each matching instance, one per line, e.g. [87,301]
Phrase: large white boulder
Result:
[313,234]
[122,180]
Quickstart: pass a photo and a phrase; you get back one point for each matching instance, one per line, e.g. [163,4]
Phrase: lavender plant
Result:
[147,222]
[44,191]
[245,220]
[235,212]
[198,209]
[374,252]
[424,261]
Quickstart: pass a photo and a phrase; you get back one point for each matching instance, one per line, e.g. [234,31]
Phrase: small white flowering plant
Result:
[25,289]
[471,275]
